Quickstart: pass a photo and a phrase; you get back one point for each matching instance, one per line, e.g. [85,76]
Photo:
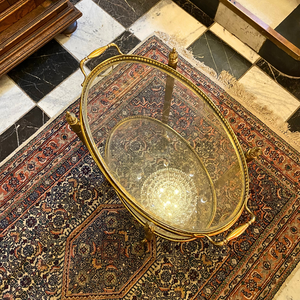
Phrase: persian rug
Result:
[64,234]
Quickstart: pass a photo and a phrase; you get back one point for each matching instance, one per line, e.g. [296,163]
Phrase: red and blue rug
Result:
[65,235]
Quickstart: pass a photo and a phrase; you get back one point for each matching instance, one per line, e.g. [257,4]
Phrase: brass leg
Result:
[252,153]
[75,125]
[173,59]
[70,29]
[149,233]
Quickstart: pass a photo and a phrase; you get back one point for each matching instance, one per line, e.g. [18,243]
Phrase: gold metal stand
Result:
[173,60]
[81,128]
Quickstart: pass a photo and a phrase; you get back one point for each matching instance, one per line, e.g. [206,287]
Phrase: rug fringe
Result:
[237,90]
[273,121]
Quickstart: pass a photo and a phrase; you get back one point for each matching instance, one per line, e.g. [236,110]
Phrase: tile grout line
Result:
[211,53]
[234,37]
[276,82]
[17,133]
[227,59]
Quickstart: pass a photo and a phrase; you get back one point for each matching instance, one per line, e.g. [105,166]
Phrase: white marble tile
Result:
[269,93]
[14,103]
[272,12]
[63,95]
[240,28]
[95,29]
[168,17]
[234,42]
[290,290]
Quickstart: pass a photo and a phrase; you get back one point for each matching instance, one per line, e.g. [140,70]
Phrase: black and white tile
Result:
[196,12]
[126,12]
[234,43]
[215,53]
[269,93]
[290,83]
[21,130]
[209,7]
[126,42]
[273,18]
[294,121]
[269,11]
[14,103]
[44,70]
[288,28]
[166,16]
[63,95]
[96,28]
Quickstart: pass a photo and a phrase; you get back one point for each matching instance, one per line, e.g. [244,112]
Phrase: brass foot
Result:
[173,59]
[252,153]
[75,125]
[71,119]
[149,233]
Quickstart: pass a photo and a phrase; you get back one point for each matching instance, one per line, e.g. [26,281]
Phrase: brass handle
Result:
[94,54]
[236,232]
[252,153]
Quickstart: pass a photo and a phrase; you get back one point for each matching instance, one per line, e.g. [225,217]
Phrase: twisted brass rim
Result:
[105,170]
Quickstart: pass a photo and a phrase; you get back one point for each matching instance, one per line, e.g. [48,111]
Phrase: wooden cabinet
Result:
[26,25]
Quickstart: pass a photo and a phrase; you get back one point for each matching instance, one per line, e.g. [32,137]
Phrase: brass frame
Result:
[122,193]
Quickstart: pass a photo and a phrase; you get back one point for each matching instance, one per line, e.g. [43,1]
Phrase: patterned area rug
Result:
[65,235]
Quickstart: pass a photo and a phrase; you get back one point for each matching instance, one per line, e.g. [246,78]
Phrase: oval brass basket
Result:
[164,146]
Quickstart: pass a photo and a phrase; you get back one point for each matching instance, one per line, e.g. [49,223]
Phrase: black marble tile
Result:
[40,73]
[74,1]
[195,11]
[294,121]
[289,83]
[30,123]
[19,132]
[126,42]
[208,6]
[215,53]
[8,142]
[290,27]
[279,59]
[126,12]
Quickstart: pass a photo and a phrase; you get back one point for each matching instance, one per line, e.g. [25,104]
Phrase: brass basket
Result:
[181,179]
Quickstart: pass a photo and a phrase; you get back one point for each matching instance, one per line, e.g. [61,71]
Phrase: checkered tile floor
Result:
[50,79]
